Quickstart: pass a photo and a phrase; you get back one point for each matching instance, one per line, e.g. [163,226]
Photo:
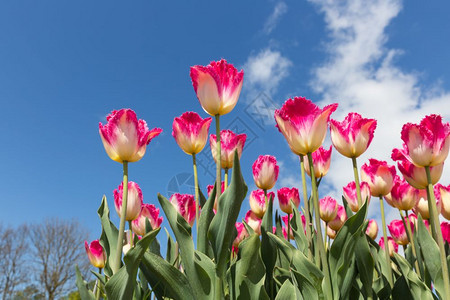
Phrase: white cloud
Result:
[360,74]
[272,21]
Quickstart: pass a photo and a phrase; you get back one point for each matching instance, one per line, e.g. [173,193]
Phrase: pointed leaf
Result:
[85,293]
[108,238]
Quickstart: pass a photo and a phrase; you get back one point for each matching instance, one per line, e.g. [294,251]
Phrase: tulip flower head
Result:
[352,136]
[443,194]
[134,200]
[124,137]
[150,212]
[229,143]
[427,143]
[258,202]
[351,196]
[398,231]
[191,132]
[445,228]
[96,254]
[328,209]
[303,124]
[285,196]
[253,221]
[265,172]
[217,86]
[379,175]
[372,229]
[403,195]
[393,247]
[321,161]
[340,218]
[414,175]
[185,206]
[422,205]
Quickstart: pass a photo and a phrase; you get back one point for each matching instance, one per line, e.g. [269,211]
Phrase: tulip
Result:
[285,196]
[258,202]
[150,212]
[379,175]
[124,137]
[321,161]
[265,172]
[191,132]
[331,233]
[241,234]
[422,207]
[287,223]
[398,232]
[443,195]
[415,176]
[352,136]
[351,197]
[253,221]
[134,203]
[303,124]
[96,254]
[403,195]
[372,229]
[339,220]
[210,187]
[328,209]
[445,228]
[217,86]
[185,206]
[392,245]
[229,142]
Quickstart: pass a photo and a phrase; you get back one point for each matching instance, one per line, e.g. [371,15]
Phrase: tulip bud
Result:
[351,196]
[379,175]
[134,200]
[124,137]
[191,132]
[96,254]
[265,172]
[328,209]
[258,202]
[285,196]
[229,143]
[321,161]
[253,221]
[398,232]
[372,229]
[185,206]
[150,212]
[339,220]
[392,245]
[443,194]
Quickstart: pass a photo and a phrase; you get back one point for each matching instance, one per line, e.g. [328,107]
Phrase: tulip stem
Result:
[194,163]
[131,234]
[407,224]
[226,180]
[289,227]
[439,239]
[358,187]
[307,215]
[97,292]
[325,236]
[386,244]
[322,252]
[218,159]
[123,211]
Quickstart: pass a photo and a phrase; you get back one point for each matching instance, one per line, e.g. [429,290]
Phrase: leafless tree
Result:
[56,246]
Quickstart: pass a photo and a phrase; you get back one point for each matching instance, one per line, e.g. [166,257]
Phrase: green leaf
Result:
[206,216]
[288,292]
[268,247]
[85,293]
[122,284]
[227,213]
[299,232]
[206,273]
[365,263]
[108,238]
[171,251]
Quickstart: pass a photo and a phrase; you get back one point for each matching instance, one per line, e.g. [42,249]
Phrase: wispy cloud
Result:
[279,10]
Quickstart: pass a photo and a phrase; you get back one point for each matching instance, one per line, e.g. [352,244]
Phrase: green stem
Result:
[411,241]
[225,180]
[307,215]
[218,159]
[194,163]
[289,227]
[97,292]
[123,211]
[386,244]
[358,187]
[325,236]
[440,241]
[218,288]
[322,252]
[131,234]
[266,200]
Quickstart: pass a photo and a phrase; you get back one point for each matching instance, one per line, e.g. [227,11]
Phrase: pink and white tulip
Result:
[372,229]
[253,221]
[379,175]
[422,205]
[398,232]
[285,196]
[303,124]
[185,206]
[427,143]
[150,212]
[134,200]
[414,175]
[445,228]
[321,161]
[191,132]
[265,172]
[229,143]
[403,195]
[328,208]
[339,220]
[393,247]
[124,137]
[443,194]
[96,254]
[217,86]
[258,202]
[352,136]
[352,198]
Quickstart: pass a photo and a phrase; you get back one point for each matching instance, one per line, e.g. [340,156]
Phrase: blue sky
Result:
[66,65]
